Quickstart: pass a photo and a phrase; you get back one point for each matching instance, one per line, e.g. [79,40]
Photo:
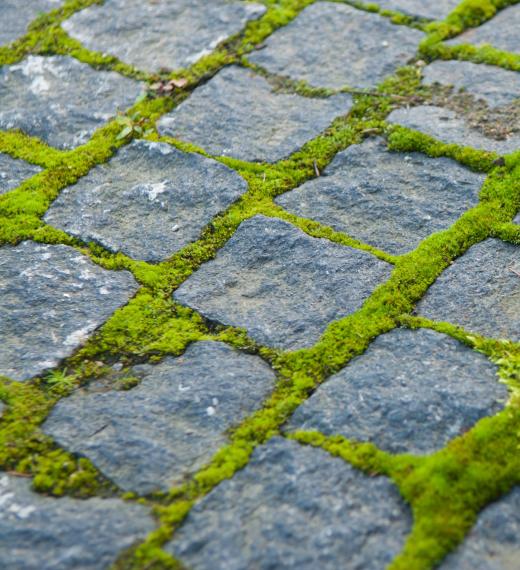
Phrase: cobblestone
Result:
[437,10]
[17,16]
[13,172]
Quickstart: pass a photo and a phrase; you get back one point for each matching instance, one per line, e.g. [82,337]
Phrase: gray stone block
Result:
[154,435]
[334,45]
[61,100]
[411,392]
[160,34]
[149,201]
[51,299]
[16,16]
[501,32]
[13,172]
[294,507]
[389,200]
[492,544]
[280,284]
[45,533]
[448,127]
[480,291]
[237,114]
[436,10]
[496,86]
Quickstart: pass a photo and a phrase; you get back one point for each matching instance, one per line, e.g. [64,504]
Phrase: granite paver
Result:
[16,16]
[437,10]
[13,172]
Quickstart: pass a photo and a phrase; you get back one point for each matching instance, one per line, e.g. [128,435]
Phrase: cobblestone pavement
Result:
[259,285]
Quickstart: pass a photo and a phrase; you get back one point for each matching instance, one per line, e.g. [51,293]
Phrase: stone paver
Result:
[237,114]
[51,299]
[306,48]
[38,532]
[494,85]
[280,284]
[148,201]
[493,543]
[160,34]
[13,172]
[61,100]
[16,16]
[394,206]
[480,291]
[171,424]
[294,507]
[448,127]
[501,32]
[410,392]
[437,10]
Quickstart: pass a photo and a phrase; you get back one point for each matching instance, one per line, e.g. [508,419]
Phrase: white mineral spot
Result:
[211,411]
[77,337]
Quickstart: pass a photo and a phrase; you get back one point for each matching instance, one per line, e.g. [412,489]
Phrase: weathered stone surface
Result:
[280,284]
[448,127]
[51,299]
[517,219]
[480,291]
[494,85]
[238,114]
[437,10]
[393,206]
[160,34]
[38,532]
[294,507]
[501,31]
[13,172]
[16,16]
[171,424]
[149,201]
[410,392]
[492,544]
[334,45]
[59,99]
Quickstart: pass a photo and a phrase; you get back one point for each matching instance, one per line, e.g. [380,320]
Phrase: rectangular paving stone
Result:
[153,436]
[496,86]
[149,201]
[16,15]
[334,45]
[238,114]
[412,391]
[480,291]
[13,172]
[389,200]
[51,299]
[294,508]
[501,31]
[61,100]
[446,126]
[39,532]
[280,284]
[162,33]
[436,9]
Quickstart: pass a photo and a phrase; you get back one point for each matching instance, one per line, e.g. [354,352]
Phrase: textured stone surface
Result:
[171,424]
[394,206]
[15,16]
[160,34]
[371,47]
[13,172]
[410,392]
[480,291]
[61,100]
[492,544]
[38,532]
[280,284]
[238,114]
[148,201]
[494,85]
[437,9]
[51,299]
[294,507]
[501,31]
[448,127]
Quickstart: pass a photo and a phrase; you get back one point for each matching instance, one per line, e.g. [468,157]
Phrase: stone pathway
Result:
[259,285]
